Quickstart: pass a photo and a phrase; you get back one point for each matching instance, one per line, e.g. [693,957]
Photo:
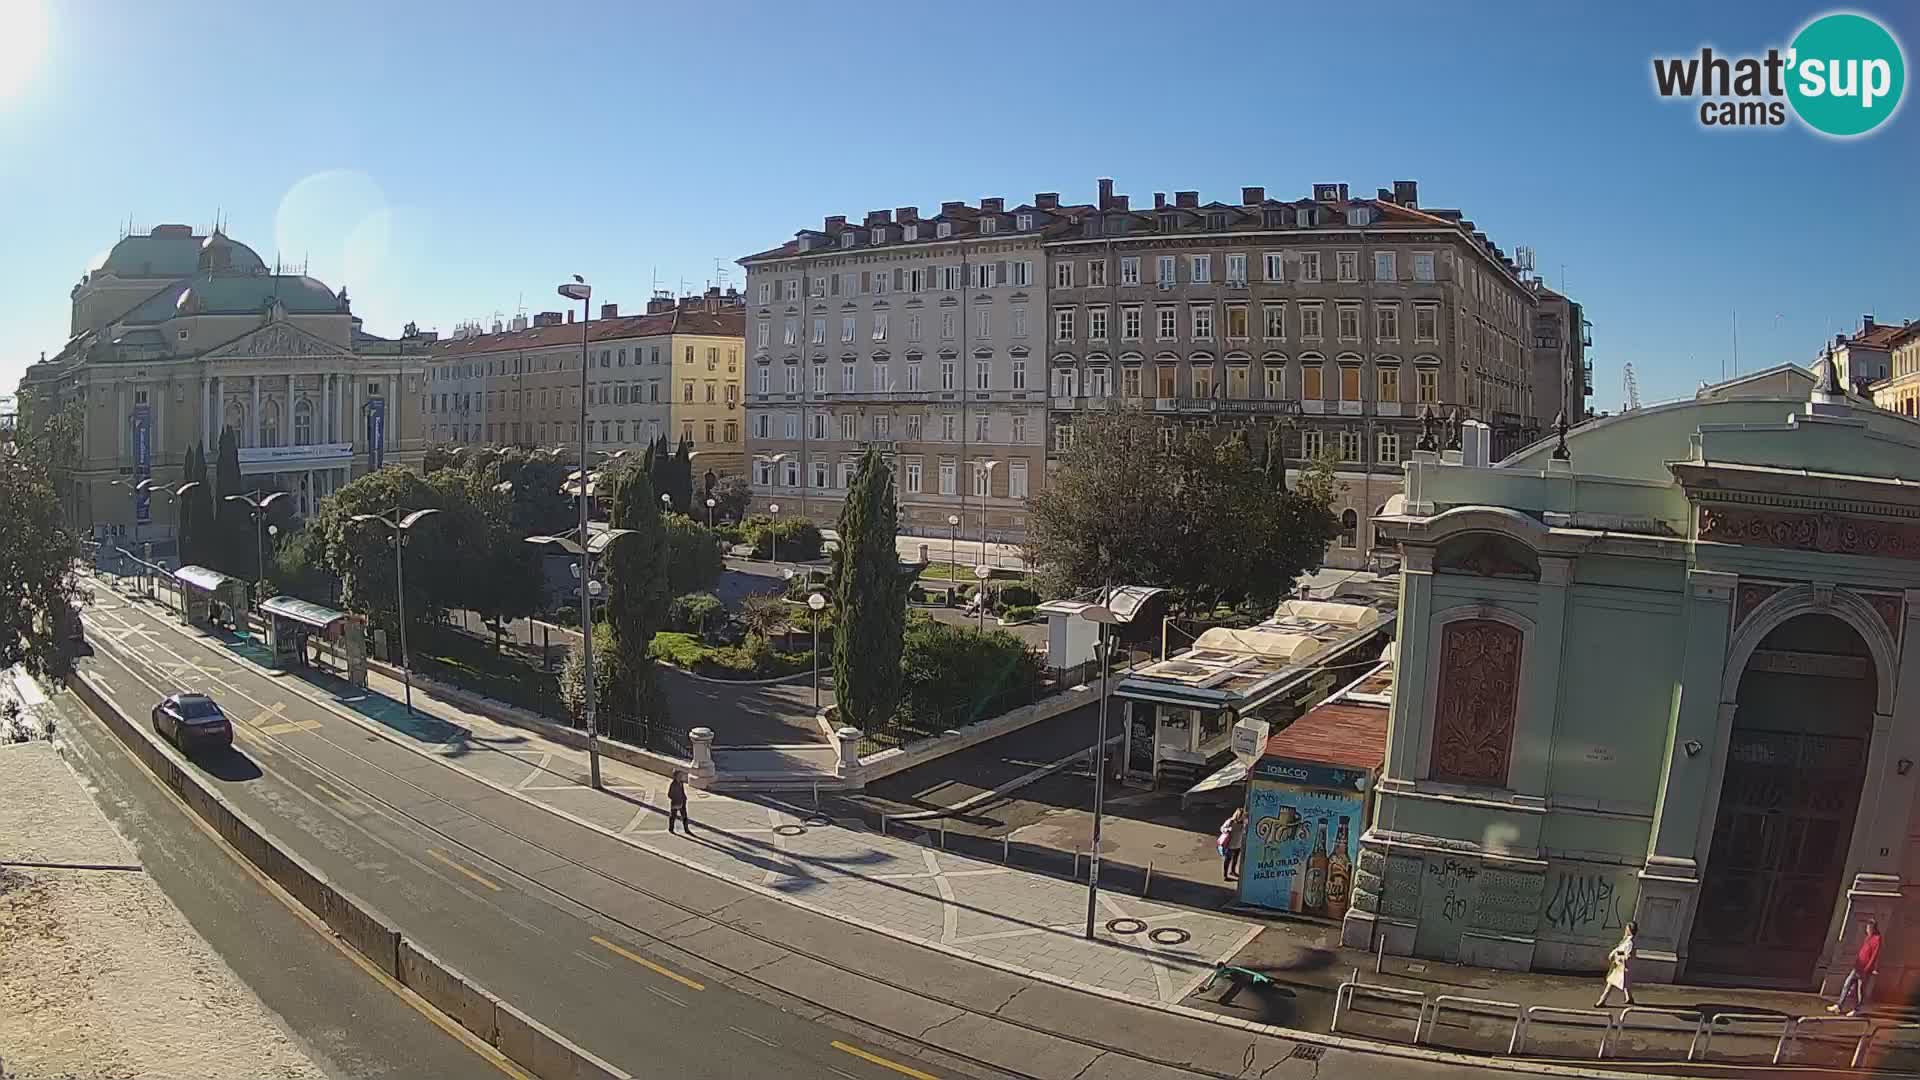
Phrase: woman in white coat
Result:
[1620,969]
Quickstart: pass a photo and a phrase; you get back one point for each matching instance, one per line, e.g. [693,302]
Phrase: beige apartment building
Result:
[924,336]
[1326,322]
[1898,390]
[177,336]
[675,371]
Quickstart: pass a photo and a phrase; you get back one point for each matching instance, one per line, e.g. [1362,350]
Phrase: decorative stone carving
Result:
[277,339]
[1487,555]
[1749,599]
[1478,700]
[1890,609]
[1832,533]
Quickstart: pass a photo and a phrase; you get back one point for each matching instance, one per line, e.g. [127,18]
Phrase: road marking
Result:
[663,994]
[330,793]
[291,726]
[842,1072]
[756,1038]
[594,960]
[648,964]
[448,859]
[903,1070]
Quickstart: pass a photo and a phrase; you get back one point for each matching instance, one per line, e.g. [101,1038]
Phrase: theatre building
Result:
[1656,670]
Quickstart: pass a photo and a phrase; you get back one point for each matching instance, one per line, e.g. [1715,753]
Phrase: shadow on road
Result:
[229,765]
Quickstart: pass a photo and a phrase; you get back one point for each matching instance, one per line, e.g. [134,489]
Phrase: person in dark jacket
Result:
[677,801]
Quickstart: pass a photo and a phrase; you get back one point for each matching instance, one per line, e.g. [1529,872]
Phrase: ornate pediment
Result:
[277,340]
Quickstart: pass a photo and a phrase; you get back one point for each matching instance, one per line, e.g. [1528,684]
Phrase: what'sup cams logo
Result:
[1843,76]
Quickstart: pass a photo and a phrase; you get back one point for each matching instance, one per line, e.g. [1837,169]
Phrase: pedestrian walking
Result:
[1620,968]
[1233,841]
[677,801]
[1866,962]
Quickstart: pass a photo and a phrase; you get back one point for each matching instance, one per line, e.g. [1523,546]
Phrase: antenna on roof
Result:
[1736,341]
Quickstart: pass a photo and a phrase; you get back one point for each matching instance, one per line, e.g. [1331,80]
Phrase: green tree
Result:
[573,677]
[198,517]
[731,497]
[870,599]
[956,675]
[360,553]
[437,458]
[299,567]
[38,591]
[694,560]
[481,563]
[680,476]
[232,546]
[636,585]
[192,469]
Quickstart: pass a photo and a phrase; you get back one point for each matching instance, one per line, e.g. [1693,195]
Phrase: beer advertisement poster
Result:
[1301,846]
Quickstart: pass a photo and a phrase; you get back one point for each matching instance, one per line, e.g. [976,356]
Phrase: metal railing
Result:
[1518,1043]
[1439,1002]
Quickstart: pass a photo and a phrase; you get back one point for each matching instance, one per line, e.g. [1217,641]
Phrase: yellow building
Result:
[1900,390]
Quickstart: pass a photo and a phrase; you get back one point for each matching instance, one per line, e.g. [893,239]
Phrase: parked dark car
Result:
[192,722]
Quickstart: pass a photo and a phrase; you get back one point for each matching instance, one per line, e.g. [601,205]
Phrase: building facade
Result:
[178,336]
[923,336]
[675,371]
[1330,323]
[1562,372]
[1659,673]
[1899,390]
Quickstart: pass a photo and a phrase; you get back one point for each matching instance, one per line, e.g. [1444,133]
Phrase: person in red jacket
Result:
[1854,990]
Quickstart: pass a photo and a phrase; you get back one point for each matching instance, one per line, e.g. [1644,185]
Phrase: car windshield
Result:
[197,709]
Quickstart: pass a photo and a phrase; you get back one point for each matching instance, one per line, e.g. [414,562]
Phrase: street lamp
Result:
[774,509]
[982,572]
[400,526]
[987,468]
[711,503]
[1104,615]
[596,547]
[258,507]
[817,602]
[134,491]
[953,546]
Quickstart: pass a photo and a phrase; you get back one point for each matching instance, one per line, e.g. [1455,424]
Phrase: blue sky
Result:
[447,160]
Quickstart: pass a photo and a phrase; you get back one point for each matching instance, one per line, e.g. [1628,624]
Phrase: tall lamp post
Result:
[987,468]
[982,573]
[400,526]
[711,503]
[1103,614]
[816,602]
[953,555]
[588,554]
[774,509]
[257,505]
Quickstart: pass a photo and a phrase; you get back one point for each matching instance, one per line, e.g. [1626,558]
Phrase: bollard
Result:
[943,834]
[816,795]
[1003,848]
[1147,886]
[1380,949]
[1076,864]
[883,824]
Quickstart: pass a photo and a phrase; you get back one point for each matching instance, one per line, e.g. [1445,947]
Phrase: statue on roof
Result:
[345,304]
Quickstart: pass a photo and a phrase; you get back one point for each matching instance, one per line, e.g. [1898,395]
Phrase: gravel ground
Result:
[101,977]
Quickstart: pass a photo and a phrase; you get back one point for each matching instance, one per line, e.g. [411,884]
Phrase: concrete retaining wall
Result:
[901,758]
[530,1044]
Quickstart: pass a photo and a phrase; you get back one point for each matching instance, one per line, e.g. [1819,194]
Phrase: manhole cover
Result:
[1125,926]
[1169,935]
[789,830]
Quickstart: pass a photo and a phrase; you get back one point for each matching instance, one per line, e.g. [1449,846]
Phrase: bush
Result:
[678,649]
[1020,613]
[565,616]
[1016,595]
[755,659]
[694,613]
[730,533]
[798,540]
[955,675]
[917,595]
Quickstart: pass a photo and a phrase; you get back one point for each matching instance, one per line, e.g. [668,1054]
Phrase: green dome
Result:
[174,251]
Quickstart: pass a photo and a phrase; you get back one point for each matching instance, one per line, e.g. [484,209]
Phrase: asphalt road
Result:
[351,1026]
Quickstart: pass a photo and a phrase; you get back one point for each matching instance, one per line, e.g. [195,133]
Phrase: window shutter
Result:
[833,284]
[898,278]
[866,281]
[1000,272]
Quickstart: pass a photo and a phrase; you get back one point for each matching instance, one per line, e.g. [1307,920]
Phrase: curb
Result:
[1333,1041]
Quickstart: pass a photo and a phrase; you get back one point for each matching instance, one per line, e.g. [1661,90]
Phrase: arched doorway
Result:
[1795,763]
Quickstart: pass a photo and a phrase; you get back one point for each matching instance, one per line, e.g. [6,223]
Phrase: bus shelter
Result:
[292,623]
[211,598]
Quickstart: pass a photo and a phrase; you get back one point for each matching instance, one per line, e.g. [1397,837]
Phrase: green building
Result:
[1654,671]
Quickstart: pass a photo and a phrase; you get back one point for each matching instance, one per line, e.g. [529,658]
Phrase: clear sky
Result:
[447,161]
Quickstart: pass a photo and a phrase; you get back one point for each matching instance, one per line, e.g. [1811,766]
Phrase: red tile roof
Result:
[1334,733]
[1882,336]
[724,324]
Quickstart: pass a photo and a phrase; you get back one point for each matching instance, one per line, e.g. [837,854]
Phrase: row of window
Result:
[986,225]
[1349,444]
[951,277]
[604,394]
[1205,384]
[880,324]
[911,476]
[608,432]
[606,358]
[1238,323]
[880,377]
[880,426]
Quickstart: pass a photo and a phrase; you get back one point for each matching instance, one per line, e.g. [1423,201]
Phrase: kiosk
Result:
[293,622]
[210,598]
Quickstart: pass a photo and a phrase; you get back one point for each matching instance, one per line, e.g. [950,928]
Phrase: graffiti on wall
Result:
[1585,902]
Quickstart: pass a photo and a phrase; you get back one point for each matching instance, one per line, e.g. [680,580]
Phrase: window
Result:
[1310,266]
[1023,222]
[846,475]
[983,326]
[984,275]
[1236,269]
[1427,382]
[1389,448]
[686,389]
[1200,269]
[817,285]
[911,232]
[1019,428]
[946,326]
[946,375]
[1275,374]
[1347,265]
[950,278]
[1275,328]
[1386,322]
[1130,381]
[848,429]
[913,374]
[1169,323]
[1019,374]
[846,328]
[989,225]
[947,478]
[913,328]
[1349,447]
[766,292]
[1426,323]
[820,477]
[1099,382]
[982,480]
[819,425]
[1383,268]
[1312,443]
[1022,272]
[1166,277]
[1130,270]
[1423,266]
[982,428]
[1130,323]
[1389,384]
[760,426]
[983,374]
[819,380]
[1349,322]
[882,426]
[1310,321]
[1066,382]
[793,379]
[793,474]
[765,334]
[919,278]
[819,331]
[1097,272]
[1097,324]
[1062,438]
[849,378]
[1237,321]
[913,477]
[1202,315]
[1311,376]
[1350,382]
[1349,529]
[1017,480]
[846,239]
[1063,324]
[1276,266]
[302,421]
[1202,382]
[1019,320]
[879,326]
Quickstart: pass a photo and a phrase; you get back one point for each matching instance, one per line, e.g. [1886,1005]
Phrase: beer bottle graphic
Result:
[1315,900]
[1339,875]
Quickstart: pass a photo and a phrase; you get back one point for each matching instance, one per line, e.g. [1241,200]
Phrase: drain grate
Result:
[1307,1053]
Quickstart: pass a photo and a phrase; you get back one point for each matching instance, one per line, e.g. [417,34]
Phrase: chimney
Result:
[992,206]
[547,318]
[1839,340]
[879,217]
[1252,196]
[1866,322]
[1187,200]
[1047,200]
[1384,195]
[1406,192]
[609,311]
[1159,200]
[907,215]
[1120,201]
[1326,192]
[1343,193]
[950,207]
[569,316]
[836,223]
[1106,193]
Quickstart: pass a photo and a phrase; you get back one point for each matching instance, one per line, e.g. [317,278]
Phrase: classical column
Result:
[1540,703]
[253,418]
[157,393]
[330,390]
[120,423]
[1410,709]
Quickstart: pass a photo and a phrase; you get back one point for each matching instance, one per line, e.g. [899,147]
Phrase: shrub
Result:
[1016,595]
[1020,613]
[956,675]
[798,541]
[694,613]
[676,648]
[917,595]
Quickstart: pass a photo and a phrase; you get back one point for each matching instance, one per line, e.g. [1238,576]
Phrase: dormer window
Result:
[1169,222]
[805,243]
[1309,217]
[846,239]
[913,232]
[1359,215]
[879,236]
[1023,222]
[1274,219]
[943,230]
[1216,221]
[988,224]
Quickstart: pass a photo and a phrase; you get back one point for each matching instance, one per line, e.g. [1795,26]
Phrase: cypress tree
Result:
[190,471]
[198,514]
[231,550]
[636,570]
[870,615]
[682,477]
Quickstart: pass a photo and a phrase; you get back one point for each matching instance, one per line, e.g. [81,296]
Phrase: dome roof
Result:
[236,294]
[173,251]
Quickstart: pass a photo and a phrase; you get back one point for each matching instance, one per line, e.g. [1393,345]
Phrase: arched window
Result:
[236,418]
[1349,529]
[270,423]
[303,423]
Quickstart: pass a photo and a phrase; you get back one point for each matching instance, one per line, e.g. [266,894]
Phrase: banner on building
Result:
[142,461]
[1301,845]
[376,433]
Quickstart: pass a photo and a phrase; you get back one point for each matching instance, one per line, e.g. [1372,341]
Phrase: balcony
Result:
[1386,408]
[1352,408]
[1313,406]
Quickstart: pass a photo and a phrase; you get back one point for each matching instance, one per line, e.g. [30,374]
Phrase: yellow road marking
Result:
[443,857]
[291,726]
[330,793]
[648,964]
[903,1070]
